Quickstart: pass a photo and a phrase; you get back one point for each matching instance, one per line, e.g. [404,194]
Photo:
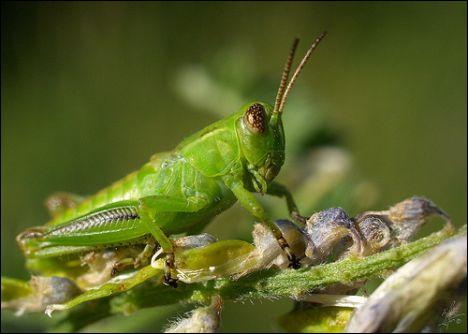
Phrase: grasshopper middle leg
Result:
[153,212]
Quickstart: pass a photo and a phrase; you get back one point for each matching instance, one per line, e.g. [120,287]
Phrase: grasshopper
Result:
[180,191]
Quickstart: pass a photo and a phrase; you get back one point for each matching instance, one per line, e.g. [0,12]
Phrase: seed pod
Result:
[325,230]
[404,219]
[409,215]
[267,251]
[375,233]
[218,259]
[194,241]
[294,236]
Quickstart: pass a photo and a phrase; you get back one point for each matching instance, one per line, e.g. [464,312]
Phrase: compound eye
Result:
[255,118]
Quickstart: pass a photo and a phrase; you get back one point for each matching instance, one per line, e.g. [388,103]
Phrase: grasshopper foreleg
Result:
[279,190]
[248,201]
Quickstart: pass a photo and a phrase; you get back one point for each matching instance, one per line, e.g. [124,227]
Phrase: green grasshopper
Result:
[179,191]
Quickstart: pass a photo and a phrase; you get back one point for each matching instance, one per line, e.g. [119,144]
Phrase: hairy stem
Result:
[272,284]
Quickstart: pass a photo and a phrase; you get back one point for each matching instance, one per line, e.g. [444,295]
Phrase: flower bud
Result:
[414,294]
[201,320]
[409,215]
[38,293]
[375,233]
[325,230]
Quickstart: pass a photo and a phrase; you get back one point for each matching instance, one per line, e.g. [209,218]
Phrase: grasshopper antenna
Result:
[298,70]
[285,76]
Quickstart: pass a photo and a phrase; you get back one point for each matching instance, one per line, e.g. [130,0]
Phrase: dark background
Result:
[88,95]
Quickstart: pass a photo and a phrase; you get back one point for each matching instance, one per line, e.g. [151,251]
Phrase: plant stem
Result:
[272,284]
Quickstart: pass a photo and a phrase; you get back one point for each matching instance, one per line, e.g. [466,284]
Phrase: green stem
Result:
[280,283]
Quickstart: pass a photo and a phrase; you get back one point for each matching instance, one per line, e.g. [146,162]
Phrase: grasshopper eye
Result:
[255,118]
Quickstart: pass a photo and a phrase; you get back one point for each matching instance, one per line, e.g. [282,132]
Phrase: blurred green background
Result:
[91,90]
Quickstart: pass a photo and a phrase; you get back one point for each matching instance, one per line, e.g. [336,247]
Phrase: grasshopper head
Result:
[261,138]
[260,129]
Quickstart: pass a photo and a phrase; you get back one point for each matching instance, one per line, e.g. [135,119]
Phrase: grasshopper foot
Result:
[169,266]
[293,260]
[292,242]
[169,281]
